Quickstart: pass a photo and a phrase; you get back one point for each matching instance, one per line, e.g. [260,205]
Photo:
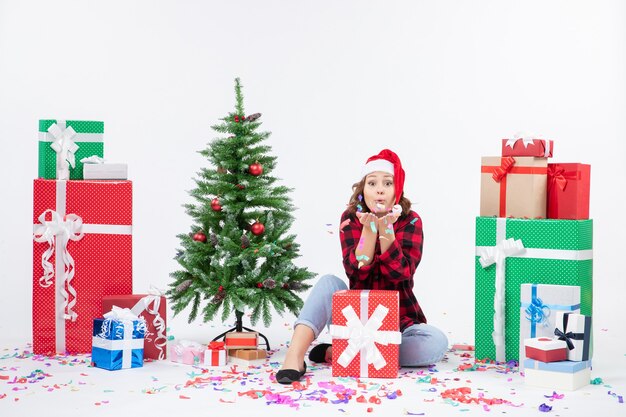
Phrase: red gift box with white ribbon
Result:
[366,333]
[82,251]
[151,307]
[545,349]
[527,146]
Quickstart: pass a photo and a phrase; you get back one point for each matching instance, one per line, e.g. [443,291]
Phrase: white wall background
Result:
[439,82]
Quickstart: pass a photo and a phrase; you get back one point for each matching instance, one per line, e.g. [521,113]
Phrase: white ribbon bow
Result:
[498,254]
[125,335]
[64,229]
[93,159]
[363,337]
[144,304]
[525,138]
[65,148]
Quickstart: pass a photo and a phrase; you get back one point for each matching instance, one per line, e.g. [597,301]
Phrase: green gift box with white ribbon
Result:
[511,252]
[63,143]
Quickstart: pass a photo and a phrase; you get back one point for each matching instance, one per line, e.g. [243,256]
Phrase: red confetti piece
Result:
[4,377]
[370,409]
[183,397]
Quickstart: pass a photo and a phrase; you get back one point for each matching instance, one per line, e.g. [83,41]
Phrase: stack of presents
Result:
[534,259]
[82,255]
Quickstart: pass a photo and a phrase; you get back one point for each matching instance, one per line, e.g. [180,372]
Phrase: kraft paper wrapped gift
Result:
[511,252]
[575,330]
[539,308]
[215,355]
[62,145]
[366,333]
[118,340]
[248,354]
[545,349]
[568,191]
[82,252]
[151,307]
[564,375]
[527,147]
[513,187]
[187,352]
[241,340]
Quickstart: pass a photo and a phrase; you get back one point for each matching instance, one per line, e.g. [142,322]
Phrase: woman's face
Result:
[379,192]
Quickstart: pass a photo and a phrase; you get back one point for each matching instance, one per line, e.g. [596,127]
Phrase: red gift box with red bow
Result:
[568,191]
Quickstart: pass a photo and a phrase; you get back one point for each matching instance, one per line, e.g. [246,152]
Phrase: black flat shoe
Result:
[288,376]
[318,353]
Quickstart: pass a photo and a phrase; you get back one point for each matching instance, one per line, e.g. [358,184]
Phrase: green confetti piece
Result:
[596,381]
[373,226]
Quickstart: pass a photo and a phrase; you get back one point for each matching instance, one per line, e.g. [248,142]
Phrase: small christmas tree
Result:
[238,255]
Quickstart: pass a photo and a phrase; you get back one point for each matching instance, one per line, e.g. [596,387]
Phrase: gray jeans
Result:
[422,344]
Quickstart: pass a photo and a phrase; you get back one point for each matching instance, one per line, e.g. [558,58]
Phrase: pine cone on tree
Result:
[269,283]
[295,285]
[253,117]
[182,287]
[213,239]
[218,297]
[245,242]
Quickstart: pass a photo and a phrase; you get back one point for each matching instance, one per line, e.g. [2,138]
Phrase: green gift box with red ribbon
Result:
[568,191]
[511,252]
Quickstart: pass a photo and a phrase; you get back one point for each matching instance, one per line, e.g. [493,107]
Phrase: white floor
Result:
[68,386]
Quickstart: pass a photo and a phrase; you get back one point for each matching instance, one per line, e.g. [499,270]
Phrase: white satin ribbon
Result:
[65,148]
[363,334]
[144,304]
[526,140]
[509,248]
[498,254]
[59,230]
[93,159]
[57,233]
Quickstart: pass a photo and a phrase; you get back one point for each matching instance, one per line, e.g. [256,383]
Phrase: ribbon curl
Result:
[59,231]
[537,312]
[154,300]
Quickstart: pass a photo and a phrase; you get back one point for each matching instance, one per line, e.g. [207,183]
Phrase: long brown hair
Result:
[357,190]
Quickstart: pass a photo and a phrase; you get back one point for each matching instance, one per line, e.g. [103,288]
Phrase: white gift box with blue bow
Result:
[118,340]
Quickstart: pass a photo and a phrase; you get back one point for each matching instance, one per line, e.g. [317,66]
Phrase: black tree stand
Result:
[239,327]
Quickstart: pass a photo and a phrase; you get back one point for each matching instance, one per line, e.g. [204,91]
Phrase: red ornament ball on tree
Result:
[255,169]
[259,284]
[220,288]
[199,237]
[257,228]
[215,205]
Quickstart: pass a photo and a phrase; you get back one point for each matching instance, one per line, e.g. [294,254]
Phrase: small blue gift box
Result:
[118,344]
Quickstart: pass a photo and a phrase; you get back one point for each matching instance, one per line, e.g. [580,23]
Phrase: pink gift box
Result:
[187,352]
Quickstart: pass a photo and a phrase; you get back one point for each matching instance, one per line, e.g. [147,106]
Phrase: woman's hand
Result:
[369,221]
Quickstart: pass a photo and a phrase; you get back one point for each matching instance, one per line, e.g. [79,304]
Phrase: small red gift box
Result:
[527,147]
[241,340]
[152,308]
[215,355]
[82,251]
[365,331]
[568,191]
[545,349]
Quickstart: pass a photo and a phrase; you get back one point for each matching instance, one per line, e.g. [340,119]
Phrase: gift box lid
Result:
[568,367]
[545,343]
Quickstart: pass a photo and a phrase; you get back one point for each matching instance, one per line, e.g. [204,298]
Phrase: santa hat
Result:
[387,161]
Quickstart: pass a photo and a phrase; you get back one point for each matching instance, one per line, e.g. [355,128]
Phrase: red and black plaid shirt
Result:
[392,270]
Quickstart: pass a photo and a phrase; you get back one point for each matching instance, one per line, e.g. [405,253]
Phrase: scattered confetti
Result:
[596,381]
[544,408]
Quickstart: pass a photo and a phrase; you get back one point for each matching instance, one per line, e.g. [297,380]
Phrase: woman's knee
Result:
[332,283]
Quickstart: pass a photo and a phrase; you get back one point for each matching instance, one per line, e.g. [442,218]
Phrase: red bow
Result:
[556,175]
[505,166]
[215,345]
